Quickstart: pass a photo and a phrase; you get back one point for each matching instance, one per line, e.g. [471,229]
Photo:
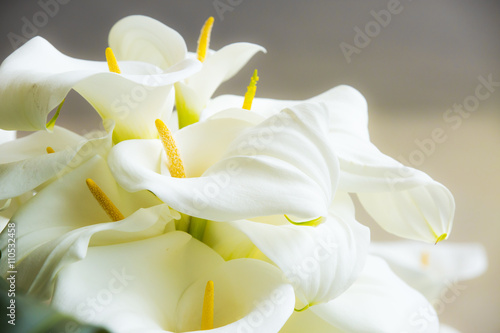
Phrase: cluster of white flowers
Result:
[236,216]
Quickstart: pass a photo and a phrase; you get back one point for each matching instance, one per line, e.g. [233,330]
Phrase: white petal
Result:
[143,38]
[320,262]
[39,268]
[37,77]
[25,164]
[404,201]
[135,101]
[422,212]
[431,269]
[9,206]
[67,205]
[379,302]
[283,165]
[35,144]
[162,285]
[201,145]
[6,136]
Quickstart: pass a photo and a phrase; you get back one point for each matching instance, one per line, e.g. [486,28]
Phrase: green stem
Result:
[183,223]
[197,228]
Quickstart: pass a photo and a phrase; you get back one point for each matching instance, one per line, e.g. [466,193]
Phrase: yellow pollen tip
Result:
[112,63]
[207,314]
[440,238]
[424,259]
[204,40]
[251,90]
[175,167]
[104,201]
[50,150]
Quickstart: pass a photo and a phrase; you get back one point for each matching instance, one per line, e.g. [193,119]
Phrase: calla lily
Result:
[46,242]
[236,170]
[157,285]
[36,78]
[431,269]
[403,200]
[267,180]
[378,301]
[9,206]
[321,261]
[31,161]
[145,39]
[434,270]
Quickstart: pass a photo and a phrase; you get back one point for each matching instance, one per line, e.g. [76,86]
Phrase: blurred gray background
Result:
[426,59]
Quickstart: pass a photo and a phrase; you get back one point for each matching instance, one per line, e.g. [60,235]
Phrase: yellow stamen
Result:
[207,314]
[204,39]
[424,259]
[104,201]
[50,150]
[440,238]
[250,94]
[176,167]
[112,63]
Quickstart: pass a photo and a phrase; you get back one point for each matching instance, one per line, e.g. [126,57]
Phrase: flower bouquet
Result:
[188,212]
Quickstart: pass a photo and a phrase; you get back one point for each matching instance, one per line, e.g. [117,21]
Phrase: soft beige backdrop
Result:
[425,60]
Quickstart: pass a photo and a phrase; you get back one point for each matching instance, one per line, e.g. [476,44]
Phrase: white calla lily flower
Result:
[36,78]
[28,164]
[31,161]
[145,39]
[157,285]
[379,301]
[433,269]
[320,261]
[236,170]
[403,200]
[142,38]
[261,187]
[268,179]
[321,258]
[47,241]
